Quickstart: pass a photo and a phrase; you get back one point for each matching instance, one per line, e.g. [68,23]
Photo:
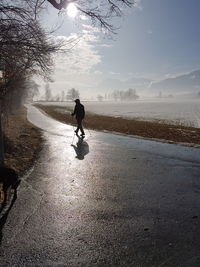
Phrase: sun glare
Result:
[72,10]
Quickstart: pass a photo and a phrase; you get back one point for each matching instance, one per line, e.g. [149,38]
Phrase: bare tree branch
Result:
[25,48]
[100,12]
[62,4]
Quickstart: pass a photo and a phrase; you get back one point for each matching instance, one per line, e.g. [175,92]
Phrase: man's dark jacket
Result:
[79,111]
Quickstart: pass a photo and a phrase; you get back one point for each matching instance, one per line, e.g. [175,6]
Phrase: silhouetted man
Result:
[79,111]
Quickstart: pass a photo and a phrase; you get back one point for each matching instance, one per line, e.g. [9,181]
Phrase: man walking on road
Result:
[79,111]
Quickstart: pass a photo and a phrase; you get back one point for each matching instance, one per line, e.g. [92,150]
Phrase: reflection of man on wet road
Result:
[79,111]
[81,148]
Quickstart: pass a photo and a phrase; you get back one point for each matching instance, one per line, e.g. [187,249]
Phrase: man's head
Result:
[77,101]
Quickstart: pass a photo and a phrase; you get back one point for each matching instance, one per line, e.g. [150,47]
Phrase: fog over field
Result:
[181,112]
[155,54]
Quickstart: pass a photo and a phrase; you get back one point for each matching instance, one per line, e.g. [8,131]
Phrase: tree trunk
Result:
[1,137]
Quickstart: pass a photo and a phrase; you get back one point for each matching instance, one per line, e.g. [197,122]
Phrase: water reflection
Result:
[81,148]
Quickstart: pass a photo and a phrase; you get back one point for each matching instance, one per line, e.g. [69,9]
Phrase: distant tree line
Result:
[117,95]
[161,95]
[70,94]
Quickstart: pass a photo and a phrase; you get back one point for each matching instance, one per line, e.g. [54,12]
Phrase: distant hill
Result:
[183,84]
[116,84]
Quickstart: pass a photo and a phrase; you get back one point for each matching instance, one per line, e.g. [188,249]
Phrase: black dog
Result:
[8,180]
[8,177]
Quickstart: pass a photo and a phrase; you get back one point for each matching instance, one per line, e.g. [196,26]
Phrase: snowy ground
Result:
[184,112]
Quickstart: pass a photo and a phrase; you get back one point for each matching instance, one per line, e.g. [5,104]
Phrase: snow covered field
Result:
[184,112]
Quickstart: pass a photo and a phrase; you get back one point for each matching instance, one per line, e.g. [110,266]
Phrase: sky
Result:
[157,39]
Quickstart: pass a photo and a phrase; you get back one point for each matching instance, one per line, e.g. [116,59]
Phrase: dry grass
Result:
[146,129]
[23,141]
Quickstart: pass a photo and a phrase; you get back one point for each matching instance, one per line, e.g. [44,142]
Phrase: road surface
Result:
[107,201]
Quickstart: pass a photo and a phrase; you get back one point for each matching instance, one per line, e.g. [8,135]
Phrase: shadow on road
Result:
[81,148]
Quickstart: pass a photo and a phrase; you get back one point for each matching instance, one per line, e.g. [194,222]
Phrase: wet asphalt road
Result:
[107,201]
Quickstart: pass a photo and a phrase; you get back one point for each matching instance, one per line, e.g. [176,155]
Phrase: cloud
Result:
[83,17]
[77,67]
[138,5]
[90,28]
[83,55]
[106,45]
[150,84]
[114,73]
[97,72]
[175,75]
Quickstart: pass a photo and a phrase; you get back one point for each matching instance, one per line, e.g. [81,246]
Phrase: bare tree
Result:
[100,98]
[57,98]
[100,12]
[72,94]
[62,96]
[25,49]
[128,95]
[48,96]
[160,94]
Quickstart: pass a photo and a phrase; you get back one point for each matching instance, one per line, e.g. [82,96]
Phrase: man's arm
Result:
[75,108]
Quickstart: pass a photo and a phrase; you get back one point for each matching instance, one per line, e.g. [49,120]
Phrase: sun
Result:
[72,10]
